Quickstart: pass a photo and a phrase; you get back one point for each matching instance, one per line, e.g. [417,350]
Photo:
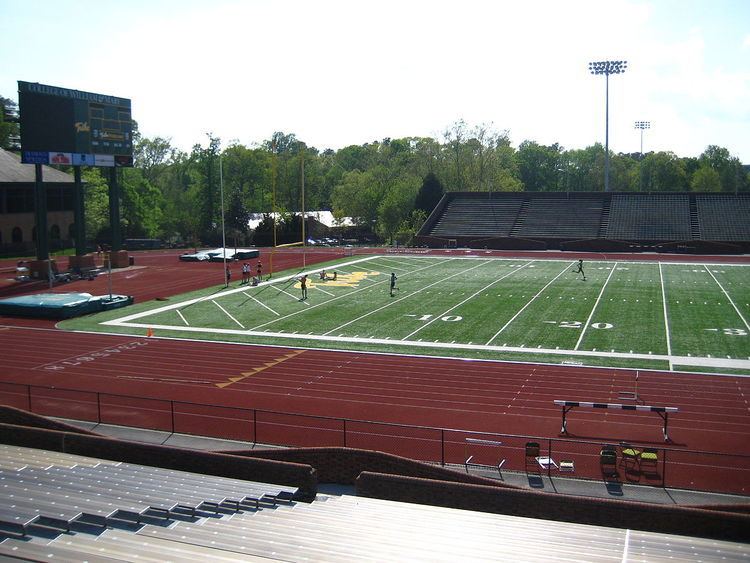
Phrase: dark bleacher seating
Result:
[591,221]
[649,217]
[562,217]
[724,217]
[481,217]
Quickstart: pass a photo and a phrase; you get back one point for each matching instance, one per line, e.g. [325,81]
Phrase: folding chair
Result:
[630,455]
[649,458]
[608,461]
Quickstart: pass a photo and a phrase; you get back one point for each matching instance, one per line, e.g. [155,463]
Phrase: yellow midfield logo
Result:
[342,280]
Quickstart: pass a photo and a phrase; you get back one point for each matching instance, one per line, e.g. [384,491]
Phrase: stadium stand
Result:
[489,217]
[649,217]
[724,217]
[562,217]
[680,222]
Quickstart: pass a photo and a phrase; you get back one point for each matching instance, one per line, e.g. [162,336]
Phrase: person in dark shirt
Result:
[580,270]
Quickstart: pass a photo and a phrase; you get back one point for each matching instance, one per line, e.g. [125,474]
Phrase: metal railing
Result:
[673,467]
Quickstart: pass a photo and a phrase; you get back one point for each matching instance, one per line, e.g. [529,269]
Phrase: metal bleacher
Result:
[469,216]
[217,519]
[590,220]
[48,493]
[649,217]
[562,217]
[724,217]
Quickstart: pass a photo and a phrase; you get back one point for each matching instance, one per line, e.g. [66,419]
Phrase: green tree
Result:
[410,227]
[9,132]
[539,166]
[396,205]
[429,194]
[729,168]
[662,172]
[705,179]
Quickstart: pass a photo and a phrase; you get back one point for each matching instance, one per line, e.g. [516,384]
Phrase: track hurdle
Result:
[567,406]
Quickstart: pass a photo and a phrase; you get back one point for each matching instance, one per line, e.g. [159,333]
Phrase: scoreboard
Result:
[62,126]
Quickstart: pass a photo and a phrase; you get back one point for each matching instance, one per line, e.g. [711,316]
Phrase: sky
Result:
[348,72]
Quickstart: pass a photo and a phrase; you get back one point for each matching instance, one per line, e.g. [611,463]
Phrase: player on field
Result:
[580,270]
[393,283]
[303,285]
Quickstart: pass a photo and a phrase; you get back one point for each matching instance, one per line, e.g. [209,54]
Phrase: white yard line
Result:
[727,295]
[388,267]
[568,265]
[323,290]
[290,295]
[388,258]
[184,320]
[347,295]
[596,303]
[472,296]
[260,303]
[227,313]
[666,318]
[441,280]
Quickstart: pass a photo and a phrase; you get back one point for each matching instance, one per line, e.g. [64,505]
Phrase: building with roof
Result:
[17,219]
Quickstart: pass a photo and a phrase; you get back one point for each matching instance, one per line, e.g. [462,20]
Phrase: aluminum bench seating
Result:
[19,457]
[128,546]
[38,552]
[110,494]
[126,493]
[73,506]
[201,493]
[166,483]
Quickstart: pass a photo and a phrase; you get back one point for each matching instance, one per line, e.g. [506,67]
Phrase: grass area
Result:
[626,314]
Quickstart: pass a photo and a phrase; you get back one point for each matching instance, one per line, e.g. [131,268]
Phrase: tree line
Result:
[386,187]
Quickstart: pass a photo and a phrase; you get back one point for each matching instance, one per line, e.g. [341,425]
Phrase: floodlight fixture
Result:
[606,68]
[642,125]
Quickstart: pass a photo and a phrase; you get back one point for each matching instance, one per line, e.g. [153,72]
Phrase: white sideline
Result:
[666,317]
[680,360]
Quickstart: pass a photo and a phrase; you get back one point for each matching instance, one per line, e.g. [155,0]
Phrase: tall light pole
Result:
[642,125]
[606,68]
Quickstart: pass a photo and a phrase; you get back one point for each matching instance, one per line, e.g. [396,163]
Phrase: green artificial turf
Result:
[625,314]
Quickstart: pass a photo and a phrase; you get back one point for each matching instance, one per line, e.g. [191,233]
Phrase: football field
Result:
[670,316]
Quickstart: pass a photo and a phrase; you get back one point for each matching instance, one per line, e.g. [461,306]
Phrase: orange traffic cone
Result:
[149,332]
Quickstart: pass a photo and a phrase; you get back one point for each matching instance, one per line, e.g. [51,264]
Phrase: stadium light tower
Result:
[606,68]
[642,125]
